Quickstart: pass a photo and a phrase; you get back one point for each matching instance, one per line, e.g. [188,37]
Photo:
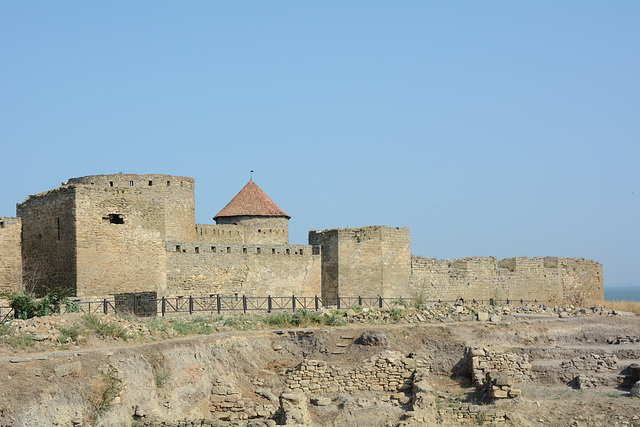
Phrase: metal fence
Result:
[143,305]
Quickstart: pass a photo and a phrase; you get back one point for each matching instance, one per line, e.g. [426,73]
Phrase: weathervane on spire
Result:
[251,176]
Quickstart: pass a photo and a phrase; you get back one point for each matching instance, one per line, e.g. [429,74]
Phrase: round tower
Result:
[263,221]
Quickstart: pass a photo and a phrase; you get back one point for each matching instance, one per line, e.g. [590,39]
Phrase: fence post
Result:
[269,304]
[316,302]
[293,302]
[521,301]
[491,301]
[218,303]
[244,304]
[104,306]
[507,301]
[360,301]
[164,306]
[338,302]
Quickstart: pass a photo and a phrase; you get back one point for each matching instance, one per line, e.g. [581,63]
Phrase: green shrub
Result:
[26,306]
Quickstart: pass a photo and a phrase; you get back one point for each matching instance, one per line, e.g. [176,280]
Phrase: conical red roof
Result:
[251,201]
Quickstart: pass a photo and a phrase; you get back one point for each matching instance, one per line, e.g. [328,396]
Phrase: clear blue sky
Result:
[493,128]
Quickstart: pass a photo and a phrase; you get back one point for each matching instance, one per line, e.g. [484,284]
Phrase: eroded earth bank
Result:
[520,370]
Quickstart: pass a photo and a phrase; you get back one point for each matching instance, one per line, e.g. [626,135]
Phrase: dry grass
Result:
[621,305]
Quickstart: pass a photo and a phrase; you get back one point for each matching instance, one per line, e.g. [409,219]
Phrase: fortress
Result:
[107,234]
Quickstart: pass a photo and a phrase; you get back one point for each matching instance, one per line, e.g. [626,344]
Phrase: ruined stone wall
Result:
[219,233]
[119,242]
[371,261]
[48,240]
[545,279]
[387,371]
[396,261]
[261,230]
[582,281]
[328,240]
[170,200]
[204,268]
[10,254]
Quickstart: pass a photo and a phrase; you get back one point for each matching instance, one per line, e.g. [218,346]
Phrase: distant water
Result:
[628,293]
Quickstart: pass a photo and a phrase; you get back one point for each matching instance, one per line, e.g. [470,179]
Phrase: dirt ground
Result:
[35,390]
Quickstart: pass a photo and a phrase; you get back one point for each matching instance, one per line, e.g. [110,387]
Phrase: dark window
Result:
[178,248]
[150,183]
[110,183]
[197,250]
[213,249]
[273,251]
[288,252]
[130,183]
[228,250]
[113,219]
[244,250]
[1,224]
[301,252]
[259,231]
[257,250]
[168,183]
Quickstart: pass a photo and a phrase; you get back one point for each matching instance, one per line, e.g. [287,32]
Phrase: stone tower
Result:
[263,221]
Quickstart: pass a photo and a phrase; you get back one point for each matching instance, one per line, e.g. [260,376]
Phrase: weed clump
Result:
[104,327]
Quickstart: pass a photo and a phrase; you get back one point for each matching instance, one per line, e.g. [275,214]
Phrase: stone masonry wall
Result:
[219,233]
[261,230]
[10,254]
[169,200]
[48,240]
[539,278]
[119,242]
[204,268]
[370,261]
[387,371]
[396,261]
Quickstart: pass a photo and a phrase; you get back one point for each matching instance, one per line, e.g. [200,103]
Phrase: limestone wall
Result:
[10,254]
[261,230]
[204,268]
[372,261]
[167,201]
[48,240]
[387,371]
[119,243]
[550,279]
[219,233]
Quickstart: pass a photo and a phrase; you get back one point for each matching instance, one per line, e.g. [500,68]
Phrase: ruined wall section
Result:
[10,254]
[328,241]
[203,268]
[548,279]
[370,261]
[48,240]
[119,242]
[260,230]
[582,281]
[219,233]
[396,260]
[173,198]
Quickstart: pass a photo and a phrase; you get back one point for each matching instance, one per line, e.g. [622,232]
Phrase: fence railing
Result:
[146,307]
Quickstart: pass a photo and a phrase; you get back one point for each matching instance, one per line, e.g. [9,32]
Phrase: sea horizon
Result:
[622,292]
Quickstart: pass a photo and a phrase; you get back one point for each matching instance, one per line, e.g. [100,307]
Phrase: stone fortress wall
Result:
[105,234]
[10,253]
[537,278]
